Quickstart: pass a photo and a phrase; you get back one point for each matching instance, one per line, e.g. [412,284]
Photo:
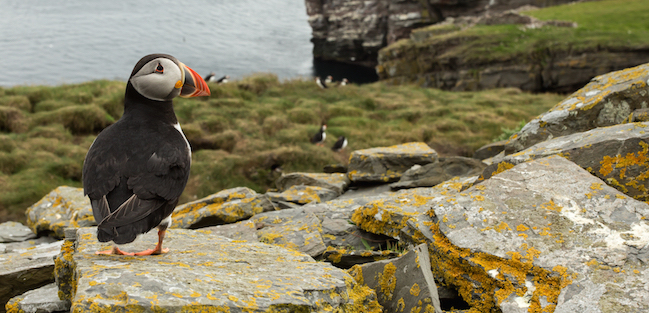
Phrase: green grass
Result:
[602,25]
[244,128]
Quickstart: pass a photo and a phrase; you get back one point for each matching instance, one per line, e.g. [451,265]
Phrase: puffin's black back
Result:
[137,168]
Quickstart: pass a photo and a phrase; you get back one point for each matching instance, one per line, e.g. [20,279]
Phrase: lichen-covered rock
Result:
[607,100]
[15,232]
[387,164]
[544,236]
[26,269]
[337,182]
[304,194]
[405,284]
[63,207]
[489,150]
[205,272]
[42,300]
[616,154]
[436,173]
[225,206]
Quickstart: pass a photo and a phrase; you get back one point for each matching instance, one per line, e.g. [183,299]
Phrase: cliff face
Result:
[353,31]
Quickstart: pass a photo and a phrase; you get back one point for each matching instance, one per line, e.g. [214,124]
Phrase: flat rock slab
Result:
[63,207]
[15,232]
[204,272]
[26,269]
[304,194]
[387,164]
[223,207]
[41,300]
[405,284]
[618,154]
[337,182]
[607,100]
[432,174]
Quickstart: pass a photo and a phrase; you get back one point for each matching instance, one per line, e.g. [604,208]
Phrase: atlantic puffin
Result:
[320,83]
[223,79]
[136,169]
[329,80]
[210,78]
[320,136]
[340,144]
[344,82]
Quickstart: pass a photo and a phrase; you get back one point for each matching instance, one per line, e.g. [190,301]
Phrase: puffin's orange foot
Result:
[155,251]
[115,250]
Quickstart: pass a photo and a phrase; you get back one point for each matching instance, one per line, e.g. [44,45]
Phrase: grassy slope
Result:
[602,25]
[244,128]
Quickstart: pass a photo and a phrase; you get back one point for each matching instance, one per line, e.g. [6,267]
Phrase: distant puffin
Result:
[340,144]
[223,79]
[344,82]
[320,83]
[320,136]
[136,169]
[329,80]
[210,78]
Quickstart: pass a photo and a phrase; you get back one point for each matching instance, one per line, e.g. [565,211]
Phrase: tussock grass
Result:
[244,128]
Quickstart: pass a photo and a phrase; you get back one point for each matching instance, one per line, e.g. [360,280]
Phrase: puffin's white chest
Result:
[189,148]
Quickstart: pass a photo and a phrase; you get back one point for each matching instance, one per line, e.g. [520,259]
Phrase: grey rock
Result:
[203,272]
[337,182]
[63,207]
[405,284]
[304,194]
[25,269]
[436,173]
[387,164]
[42,300]
[15,232]
[28,244]
[225,206]
[489,150]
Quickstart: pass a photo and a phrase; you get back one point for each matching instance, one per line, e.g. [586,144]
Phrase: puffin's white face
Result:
[160,79]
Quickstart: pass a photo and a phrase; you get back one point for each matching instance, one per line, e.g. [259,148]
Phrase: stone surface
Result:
[25,269]
[204,272]
[63,207]
[616,154]
[303,194]
[337,182]
[489,150]
[607,100]
[543,236]
[225,206]
[15,232]
[436,173]
[42,300]
[387,164]
[405,284]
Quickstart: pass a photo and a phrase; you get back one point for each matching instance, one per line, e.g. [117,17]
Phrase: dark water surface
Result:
[51,42]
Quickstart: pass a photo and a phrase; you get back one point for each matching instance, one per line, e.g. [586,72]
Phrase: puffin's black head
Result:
[162,77]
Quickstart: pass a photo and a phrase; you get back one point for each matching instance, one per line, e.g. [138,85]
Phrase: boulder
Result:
[336,181]
[25,269]
[405,284]
[607,100]
[303,194]
[432,174]
[387,164]
[42,300]
[545,235]
[15,232]
[616,154]
[489,150]
[203,272]
[63,207]
[225,206]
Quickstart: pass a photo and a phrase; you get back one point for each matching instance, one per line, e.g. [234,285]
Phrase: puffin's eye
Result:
[159,69]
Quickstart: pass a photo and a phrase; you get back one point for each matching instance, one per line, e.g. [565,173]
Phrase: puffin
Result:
[344,82]
[320,136]
[320,83]
[136,169]
[340,144]
[223,79]
[329,80]
[210,78]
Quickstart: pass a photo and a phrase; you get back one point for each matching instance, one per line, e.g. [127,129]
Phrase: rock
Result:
[28,244]
[63,207]
[607,100]
[616,154]
[544,235]
[25,269]
[336,182]
[489,150]
[204,272]
[15,232]
[432,174]
[42,300]
[304,194]
[334,168]
[640,115]
[225,206]
[405,284]
[387,164]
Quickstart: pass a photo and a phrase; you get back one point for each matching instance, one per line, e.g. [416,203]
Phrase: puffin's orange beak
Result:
[194,85]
